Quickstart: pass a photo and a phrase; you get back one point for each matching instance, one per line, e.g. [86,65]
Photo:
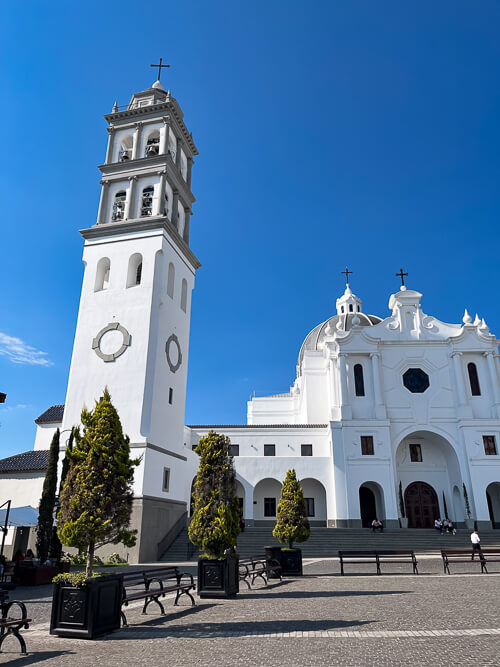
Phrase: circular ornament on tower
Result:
[173,352]
[111,341]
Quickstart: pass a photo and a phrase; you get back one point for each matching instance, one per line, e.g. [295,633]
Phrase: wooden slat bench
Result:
[467,555]
[378,557]
[10,625]
[150,585]
[257,566]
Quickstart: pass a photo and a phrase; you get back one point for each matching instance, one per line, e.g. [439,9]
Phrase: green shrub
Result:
[215,525]
[79,579]
[292,524]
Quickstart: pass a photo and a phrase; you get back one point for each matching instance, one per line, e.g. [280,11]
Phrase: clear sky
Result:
[330,133]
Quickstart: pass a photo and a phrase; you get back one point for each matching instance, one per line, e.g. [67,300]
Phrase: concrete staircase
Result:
[325,542]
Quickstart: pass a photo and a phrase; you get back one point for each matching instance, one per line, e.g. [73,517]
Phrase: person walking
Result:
[476,545]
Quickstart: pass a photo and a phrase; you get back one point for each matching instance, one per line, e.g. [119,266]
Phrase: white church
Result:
[389,412]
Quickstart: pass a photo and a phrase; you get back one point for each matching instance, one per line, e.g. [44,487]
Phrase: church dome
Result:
[316,337]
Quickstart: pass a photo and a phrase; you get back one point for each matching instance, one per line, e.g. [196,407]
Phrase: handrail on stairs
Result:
[165,543]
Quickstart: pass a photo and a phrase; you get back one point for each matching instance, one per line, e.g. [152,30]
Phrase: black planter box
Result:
[291,562]
[290,559]
[218,578]
[273,553]
[87,612]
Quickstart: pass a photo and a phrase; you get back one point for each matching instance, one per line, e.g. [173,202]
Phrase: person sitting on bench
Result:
[377,525]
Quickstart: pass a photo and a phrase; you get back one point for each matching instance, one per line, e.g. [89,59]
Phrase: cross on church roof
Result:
[402,276]
[346,273]
[159,67]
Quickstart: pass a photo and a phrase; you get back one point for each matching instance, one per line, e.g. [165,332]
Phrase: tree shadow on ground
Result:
[33,659]
[318,594]
[243,628]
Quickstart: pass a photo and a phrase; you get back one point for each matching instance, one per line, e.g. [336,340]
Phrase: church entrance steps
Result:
[325,542]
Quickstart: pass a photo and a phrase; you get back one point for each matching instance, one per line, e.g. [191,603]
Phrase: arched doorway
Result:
[493,498]
[371,503]
[421,505]
[367,506]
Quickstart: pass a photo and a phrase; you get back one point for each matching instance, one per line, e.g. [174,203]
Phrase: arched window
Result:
[102,274]
[184,294]
[359,382]
[119,206]
[134,273]
[153,144]
[147,201]
[474,379]
[125,151]
[171,280]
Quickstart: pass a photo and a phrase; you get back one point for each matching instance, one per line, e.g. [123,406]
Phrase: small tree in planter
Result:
[292,524]
[96,504]
[215,526]
[45,526]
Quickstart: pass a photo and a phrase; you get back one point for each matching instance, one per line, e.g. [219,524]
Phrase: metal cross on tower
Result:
[346,273]
[159,67]
[402,276]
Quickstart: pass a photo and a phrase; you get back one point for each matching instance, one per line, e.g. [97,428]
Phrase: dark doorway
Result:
[367,505]
[421,504]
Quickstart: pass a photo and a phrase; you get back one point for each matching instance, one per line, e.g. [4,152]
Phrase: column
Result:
[459,377]
[493,378]
[190,166]
[164,137]
[175,201]
[129,204]
[111,144]
[137,141]
[161,195]
[178,154]
[187,221]
[380,412]
[103,203]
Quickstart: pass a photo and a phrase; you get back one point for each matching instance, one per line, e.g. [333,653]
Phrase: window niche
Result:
[147,201]
[184,291]
[359,381]
[367,448]
[166,479]
[171,280]
[134,274]
[490,445]
[416,453]
[118,211]
[475,388]
[306,450]
[269,506]
[102,274]
[269,450]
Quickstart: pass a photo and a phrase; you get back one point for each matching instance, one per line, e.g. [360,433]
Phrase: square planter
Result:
[291,562]
[89,611]
[273,553]
[218,578]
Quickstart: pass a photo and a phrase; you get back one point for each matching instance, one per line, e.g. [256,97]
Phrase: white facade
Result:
[415,404]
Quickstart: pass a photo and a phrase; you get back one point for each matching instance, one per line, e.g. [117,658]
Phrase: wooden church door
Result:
[421,504]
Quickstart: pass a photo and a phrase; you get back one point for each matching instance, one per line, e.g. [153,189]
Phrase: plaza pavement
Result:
[319,619]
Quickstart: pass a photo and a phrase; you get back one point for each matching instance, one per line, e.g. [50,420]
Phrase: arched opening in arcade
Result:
[493,499]
[315,497]
[427,467]
[371,503]
[266,496]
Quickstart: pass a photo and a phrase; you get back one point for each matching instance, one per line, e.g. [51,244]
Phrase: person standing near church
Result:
[476,544]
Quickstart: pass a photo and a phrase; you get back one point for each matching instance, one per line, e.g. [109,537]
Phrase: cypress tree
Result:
[47,502]
[55,543]
[96,499]
[215,526]
[292,524]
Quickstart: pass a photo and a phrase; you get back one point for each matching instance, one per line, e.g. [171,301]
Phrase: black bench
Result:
[150,585]
[10,625]
[379,558]
[467,555]
[258,566]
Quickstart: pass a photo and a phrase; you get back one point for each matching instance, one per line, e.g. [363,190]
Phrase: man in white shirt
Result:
[476,544]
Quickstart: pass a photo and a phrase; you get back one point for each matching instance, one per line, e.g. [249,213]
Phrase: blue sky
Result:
[330,133]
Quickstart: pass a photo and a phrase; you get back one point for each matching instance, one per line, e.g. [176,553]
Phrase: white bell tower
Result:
[132,333]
